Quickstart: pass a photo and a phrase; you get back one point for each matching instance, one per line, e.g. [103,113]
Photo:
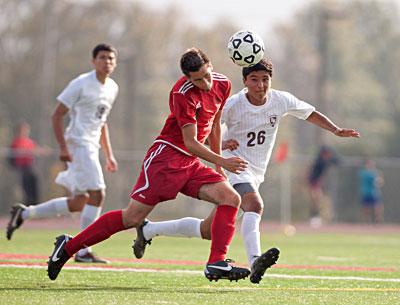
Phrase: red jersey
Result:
[23,149]
[191,105]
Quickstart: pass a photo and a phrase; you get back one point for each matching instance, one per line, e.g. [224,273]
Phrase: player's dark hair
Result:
[265,64]
[192,60]
[103,47]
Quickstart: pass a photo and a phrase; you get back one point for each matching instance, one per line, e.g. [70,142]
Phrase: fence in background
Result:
[284,191]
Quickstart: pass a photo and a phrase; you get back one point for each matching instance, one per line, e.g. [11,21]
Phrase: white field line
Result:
[269,275]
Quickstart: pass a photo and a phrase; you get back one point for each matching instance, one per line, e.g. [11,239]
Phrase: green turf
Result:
[31,286]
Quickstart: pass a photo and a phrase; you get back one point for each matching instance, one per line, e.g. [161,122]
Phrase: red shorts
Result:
[166,172]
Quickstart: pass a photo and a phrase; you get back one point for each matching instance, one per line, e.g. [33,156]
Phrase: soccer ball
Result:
[245,48]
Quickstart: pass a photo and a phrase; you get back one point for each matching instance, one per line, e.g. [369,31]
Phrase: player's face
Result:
[202,78]
[105,62]
[258,84]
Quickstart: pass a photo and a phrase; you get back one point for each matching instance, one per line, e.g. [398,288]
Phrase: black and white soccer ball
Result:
[245,48]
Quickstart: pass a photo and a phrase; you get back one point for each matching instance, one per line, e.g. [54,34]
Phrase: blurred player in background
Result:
[23,151]
[320,202]
[252,117]
[370,184]
[88,100]
[172,165]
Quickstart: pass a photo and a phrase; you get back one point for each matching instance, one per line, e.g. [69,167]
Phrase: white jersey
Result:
[89,103]
[255,128]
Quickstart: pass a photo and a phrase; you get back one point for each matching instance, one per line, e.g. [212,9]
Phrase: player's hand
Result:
[235,165]
[111,164]
[345,133]
[65,156]
[230,144]
[220,170]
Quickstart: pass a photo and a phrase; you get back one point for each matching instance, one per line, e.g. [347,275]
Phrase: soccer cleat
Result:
[140,243]
[224,270]
[59,257]
[90,258]
[16,219]
[262,263]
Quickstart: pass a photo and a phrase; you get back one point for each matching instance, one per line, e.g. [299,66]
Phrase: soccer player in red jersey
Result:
[172,165]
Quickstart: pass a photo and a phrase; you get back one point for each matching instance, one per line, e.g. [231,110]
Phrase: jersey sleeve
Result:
[226,94]
[184,109]
[70,95]
[224,116]
[297,107]
[226,111]
[116,89]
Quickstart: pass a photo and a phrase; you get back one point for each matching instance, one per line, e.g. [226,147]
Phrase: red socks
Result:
[222,231]
[107,225]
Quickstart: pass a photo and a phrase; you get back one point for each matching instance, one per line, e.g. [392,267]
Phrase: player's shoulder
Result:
[235,99]
[82,79]
[113,83]
[221,81]
[182,86]
[221,84]
[85,76]
[281,94]
[219,77]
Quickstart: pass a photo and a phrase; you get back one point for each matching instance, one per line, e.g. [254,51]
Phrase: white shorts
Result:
[84,173]
[247,176]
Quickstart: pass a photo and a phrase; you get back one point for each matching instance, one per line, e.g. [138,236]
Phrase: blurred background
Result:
[341,56]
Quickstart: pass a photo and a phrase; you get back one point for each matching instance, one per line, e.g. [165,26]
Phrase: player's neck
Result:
[101,77]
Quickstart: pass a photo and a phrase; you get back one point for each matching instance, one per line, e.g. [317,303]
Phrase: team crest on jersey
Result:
[272,120]
[101,111]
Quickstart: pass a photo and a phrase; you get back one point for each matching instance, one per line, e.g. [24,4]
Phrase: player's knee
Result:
[232,198]
[253,206]
[76,203]
[97,197]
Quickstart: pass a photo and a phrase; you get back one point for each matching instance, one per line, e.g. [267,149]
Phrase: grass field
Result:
[314,268]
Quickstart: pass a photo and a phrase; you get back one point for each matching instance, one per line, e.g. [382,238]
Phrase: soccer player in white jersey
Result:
[252,117]
[88,100]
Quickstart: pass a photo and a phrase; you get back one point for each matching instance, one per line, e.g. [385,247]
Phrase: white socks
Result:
[88,215]
[51,208]
[184,227]
[251,235]
[190,227]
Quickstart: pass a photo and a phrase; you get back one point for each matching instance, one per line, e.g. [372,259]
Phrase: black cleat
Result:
[16,219]
[90,258]
[223,270]
[59,257]
[262,263]
[140,243]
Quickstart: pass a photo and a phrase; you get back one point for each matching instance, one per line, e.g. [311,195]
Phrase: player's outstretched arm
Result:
[319,119]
